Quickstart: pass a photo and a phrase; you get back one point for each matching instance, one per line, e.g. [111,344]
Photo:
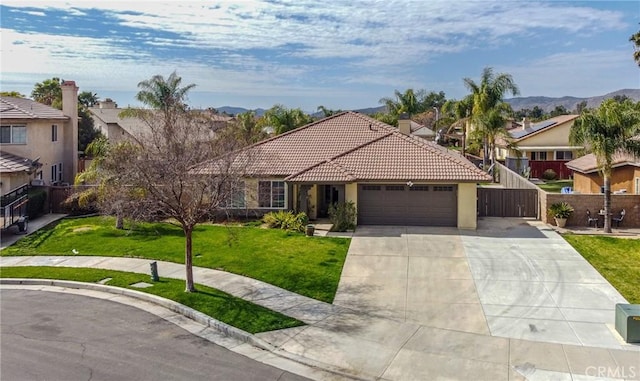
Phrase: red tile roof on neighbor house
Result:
[23,108]
[349,147]
[589,164]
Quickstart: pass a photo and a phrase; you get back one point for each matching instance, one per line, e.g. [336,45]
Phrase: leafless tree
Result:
[156,176]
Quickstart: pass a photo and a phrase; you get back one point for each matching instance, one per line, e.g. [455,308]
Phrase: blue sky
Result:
[304,53]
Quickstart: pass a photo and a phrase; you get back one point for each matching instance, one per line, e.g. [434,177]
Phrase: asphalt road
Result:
[55,336]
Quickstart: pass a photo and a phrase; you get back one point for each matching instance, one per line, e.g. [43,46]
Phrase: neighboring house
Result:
[106,118]
[540,146]
[392,178]
[39,143]
[625,175]
[409,127]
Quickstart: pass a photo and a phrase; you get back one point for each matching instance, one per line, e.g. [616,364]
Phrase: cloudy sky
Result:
[306,53]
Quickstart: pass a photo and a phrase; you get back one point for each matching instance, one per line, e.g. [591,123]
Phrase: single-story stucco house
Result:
[625,175]
[391,177]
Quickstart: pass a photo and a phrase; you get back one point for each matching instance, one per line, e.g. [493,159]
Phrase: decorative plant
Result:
[286,220]
[561,210]
[343,216]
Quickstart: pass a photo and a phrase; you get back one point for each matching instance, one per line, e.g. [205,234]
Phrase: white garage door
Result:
[400,204]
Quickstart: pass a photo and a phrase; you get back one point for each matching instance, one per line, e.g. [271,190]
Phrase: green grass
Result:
[215,303]
[617,259]
[309,266]
[554,186]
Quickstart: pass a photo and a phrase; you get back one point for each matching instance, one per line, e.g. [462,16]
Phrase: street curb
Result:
[192,314]
[176,307]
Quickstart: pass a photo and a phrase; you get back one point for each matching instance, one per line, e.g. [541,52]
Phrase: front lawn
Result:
[215,303]
[554,186]
[309,266]
[617,259]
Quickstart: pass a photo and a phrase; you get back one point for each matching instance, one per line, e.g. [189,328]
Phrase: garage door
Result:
[399,204]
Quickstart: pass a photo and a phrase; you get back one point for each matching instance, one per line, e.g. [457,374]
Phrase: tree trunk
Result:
[188,259]
[119,222]
[607,204]
[484,154]
[464,139]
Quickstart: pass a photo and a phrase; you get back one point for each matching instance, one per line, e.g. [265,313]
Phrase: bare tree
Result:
[156,177]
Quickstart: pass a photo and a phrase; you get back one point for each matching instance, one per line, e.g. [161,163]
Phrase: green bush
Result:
[286,220]
[549,174]
[37,198]
[343,216]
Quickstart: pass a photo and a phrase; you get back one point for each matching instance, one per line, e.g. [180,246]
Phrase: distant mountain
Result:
[570,103]
[371,110]
[238,110]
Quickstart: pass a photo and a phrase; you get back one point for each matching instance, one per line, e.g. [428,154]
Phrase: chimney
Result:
[404,124]
[526,123]
[107,103]
[70,130]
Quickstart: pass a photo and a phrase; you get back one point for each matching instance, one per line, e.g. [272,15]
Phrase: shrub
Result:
[549,174]
[80,203]
[343,216]
[37,198]
[286,220]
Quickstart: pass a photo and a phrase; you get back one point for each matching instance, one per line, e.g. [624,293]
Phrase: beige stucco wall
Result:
[39,145]
[351,194]
[621,178]
[557,136]
[10,181]
[467,206]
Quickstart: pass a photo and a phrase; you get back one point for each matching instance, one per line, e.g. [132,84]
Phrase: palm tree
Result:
[488,95]
[611,129]
[164,94]
[282,119]
[459,111]
[48,92]
[87,99]
[406,102]
[247,129]
[635,38]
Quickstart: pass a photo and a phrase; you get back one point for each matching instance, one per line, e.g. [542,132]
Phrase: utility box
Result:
[628,322]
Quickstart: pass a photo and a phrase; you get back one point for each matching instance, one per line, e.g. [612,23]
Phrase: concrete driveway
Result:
[511,278]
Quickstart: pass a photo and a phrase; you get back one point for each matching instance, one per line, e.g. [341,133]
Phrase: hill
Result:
[548,104]
[239,110]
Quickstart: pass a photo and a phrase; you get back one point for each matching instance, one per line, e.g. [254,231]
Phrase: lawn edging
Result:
[176,307]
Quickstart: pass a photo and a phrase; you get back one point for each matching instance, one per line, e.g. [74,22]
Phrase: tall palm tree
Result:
[611,129]
[164,94]
[489,95]
[635,38]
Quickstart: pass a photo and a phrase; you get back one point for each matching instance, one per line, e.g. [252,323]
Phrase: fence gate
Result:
[500,202]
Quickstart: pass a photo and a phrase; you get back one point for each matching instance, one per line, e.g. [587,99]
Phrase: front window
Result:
[13,134]
[235,195]
[271,194]
[56,173]
[54,133]
[539,155]
[564,155]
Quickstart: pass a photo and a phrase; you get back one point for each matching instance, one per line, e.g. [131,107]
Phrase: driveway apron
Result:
[413,274]
[533,285]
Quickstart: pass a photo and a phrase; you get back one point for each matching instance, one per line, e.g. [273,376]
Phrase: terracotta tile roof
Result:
[13,163]
[293,151]
[395,157]
[588,163]
[23,108]
[350,146]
